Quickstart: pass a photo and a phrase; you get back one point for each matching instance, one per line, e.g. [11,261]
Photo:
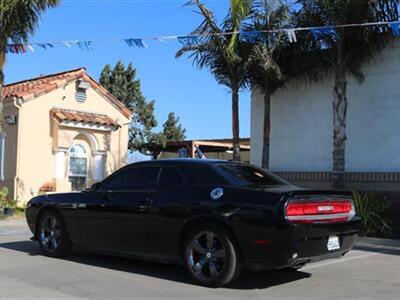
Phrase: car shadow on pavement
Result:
[257,280]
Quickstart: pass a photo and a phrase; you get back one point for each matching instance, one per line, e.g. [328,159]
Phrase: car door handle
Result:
[146,201]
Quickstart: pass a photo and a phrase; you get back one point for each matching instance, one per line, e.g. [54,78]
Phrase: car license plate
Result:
[333,243]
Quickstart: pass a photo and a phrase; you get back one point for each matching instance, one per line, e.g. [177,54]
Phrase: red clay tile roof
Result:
[32,88]
[82,117]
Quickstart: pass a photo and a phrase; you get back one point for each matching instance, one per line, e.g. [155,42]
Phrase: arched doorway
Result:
[78,167]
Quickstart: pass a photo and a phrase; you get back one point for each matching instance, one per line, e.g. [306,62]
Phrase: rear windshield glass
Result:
[249,175]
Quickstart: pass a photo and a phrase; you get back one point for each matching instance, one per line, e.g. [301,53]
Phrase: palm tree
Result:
[223,54]
[18,20]
[266,69]
[344,54]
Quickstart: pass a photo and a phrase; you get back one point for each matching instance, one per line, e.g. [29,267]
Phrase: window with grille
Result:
[78,167]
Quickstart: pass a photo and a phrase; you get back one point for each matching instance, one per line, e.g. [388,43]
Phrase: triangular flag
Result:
[395,27]
[252,36]
[291,35]
[135,43]
[189,40]
[67,44]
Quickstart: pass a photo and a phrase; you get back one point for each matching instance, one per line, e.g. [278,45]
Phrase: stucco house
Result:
[302,129]
[63,132]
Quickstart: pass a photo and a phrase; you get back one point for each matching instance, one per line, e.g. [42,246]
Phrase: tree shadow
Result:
[177,273]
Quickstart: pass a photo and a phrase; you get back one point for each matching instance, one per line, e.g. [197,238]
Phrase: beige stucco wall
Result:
[39,140]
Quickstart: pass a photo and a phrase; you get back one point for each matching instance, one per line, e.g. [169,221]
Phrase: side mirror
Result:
[95,187]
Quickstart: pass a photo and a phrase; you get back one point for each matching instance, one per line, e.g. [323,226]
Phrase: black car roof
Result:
[182,161]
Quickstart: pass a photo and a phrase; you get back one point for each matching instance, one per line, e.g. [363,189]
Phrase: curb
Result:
[364,241]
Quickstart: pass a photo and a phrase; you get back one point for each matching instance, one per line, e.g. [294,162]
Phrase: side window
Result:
[133,179]
[202,174]
[170,177]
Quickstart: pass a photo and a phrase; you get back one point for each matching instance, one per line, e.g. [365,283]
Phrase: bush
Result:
[3,196]
[374,214]
[5,201]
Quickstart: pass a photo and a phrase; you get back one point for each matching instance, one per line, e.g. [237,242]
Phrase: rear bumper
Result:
[299,245]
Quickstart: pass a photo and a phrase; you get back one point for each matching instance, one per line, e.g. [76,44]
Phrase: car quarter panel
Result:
[65,204]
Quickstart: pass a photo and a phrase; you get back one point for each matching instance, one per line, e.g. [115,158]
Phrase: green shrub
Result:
[374,214]
[3,196]
[5,201]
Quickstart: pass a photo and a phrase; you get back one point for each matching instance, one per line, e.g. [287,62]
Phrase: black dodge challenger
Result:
[215,217]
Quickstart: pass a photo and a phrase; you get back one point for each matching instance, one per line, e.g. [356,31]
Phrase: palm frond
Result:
[19,19]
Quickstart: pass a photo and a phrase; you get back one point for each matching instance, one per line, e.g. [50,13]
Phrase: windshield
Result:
[249,175]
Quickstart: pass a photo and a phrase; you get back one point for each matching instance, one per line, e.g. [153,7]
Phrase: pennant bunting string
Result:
[319,34]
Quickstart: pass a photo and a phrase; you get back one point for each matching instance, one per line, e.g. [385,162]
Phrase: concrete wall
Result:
[301,118]
[36,149]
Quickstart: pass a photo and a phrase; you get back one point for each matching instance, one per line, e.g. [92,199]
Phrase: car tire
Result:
[210,256]
[53,235]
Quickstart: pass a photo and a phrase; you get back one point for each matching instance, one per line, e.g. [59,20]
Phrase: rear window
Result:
[202,174]
[249,175]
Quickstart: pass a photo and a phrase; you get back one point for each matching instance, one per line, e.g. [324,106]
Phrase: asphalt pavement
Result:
[370,271]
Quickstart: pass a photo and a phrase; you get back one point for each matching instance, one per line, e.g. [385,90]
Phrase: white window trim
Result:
[2,152]
[79,125]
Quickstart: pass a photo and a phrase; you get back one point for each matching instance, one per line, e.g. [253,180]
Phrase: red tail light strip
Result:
[307,211]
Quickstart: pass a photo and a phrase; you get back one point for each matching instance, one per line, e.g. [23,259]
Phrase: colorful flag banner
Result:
[15,49]
[395,27]
[41,45]
[323,35]
[67,44]
[135,43]
[85,45]
[323,32]
[291,35]
[252,36]
[189,40]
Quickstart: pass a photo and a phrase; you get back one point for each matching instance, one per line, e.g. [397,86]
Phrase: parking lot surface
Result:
[368,272]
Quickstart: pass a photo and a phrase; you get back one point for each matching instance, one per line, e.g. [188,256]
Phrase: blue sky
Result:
[203,106]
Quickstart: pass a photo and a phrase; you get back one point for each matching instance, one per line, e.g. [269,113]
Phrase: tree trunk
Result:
[267,130]
[235,125]
[339,129]
[2,58]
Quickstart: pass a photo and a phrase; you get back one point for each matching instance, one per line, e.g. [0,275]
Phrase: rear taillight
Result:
[307,211]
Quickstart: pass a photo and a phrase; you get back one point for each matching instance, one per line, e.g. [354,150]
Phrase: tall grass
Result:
[374,214]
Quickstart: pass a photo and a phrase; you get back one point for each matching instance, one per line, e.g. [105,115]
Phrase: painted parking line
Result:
[322,264]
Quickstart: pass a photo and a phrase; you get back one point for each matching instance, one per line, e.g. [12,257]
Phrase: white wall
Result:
[301,122]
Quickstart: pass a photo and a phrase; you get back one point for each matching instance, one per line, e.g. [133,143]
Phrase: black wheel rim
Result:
[50,234]
[206,256]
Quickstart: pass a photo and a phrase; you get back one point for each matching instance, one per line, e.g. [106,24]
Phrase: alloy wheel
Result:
[206,255]
[50,233]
